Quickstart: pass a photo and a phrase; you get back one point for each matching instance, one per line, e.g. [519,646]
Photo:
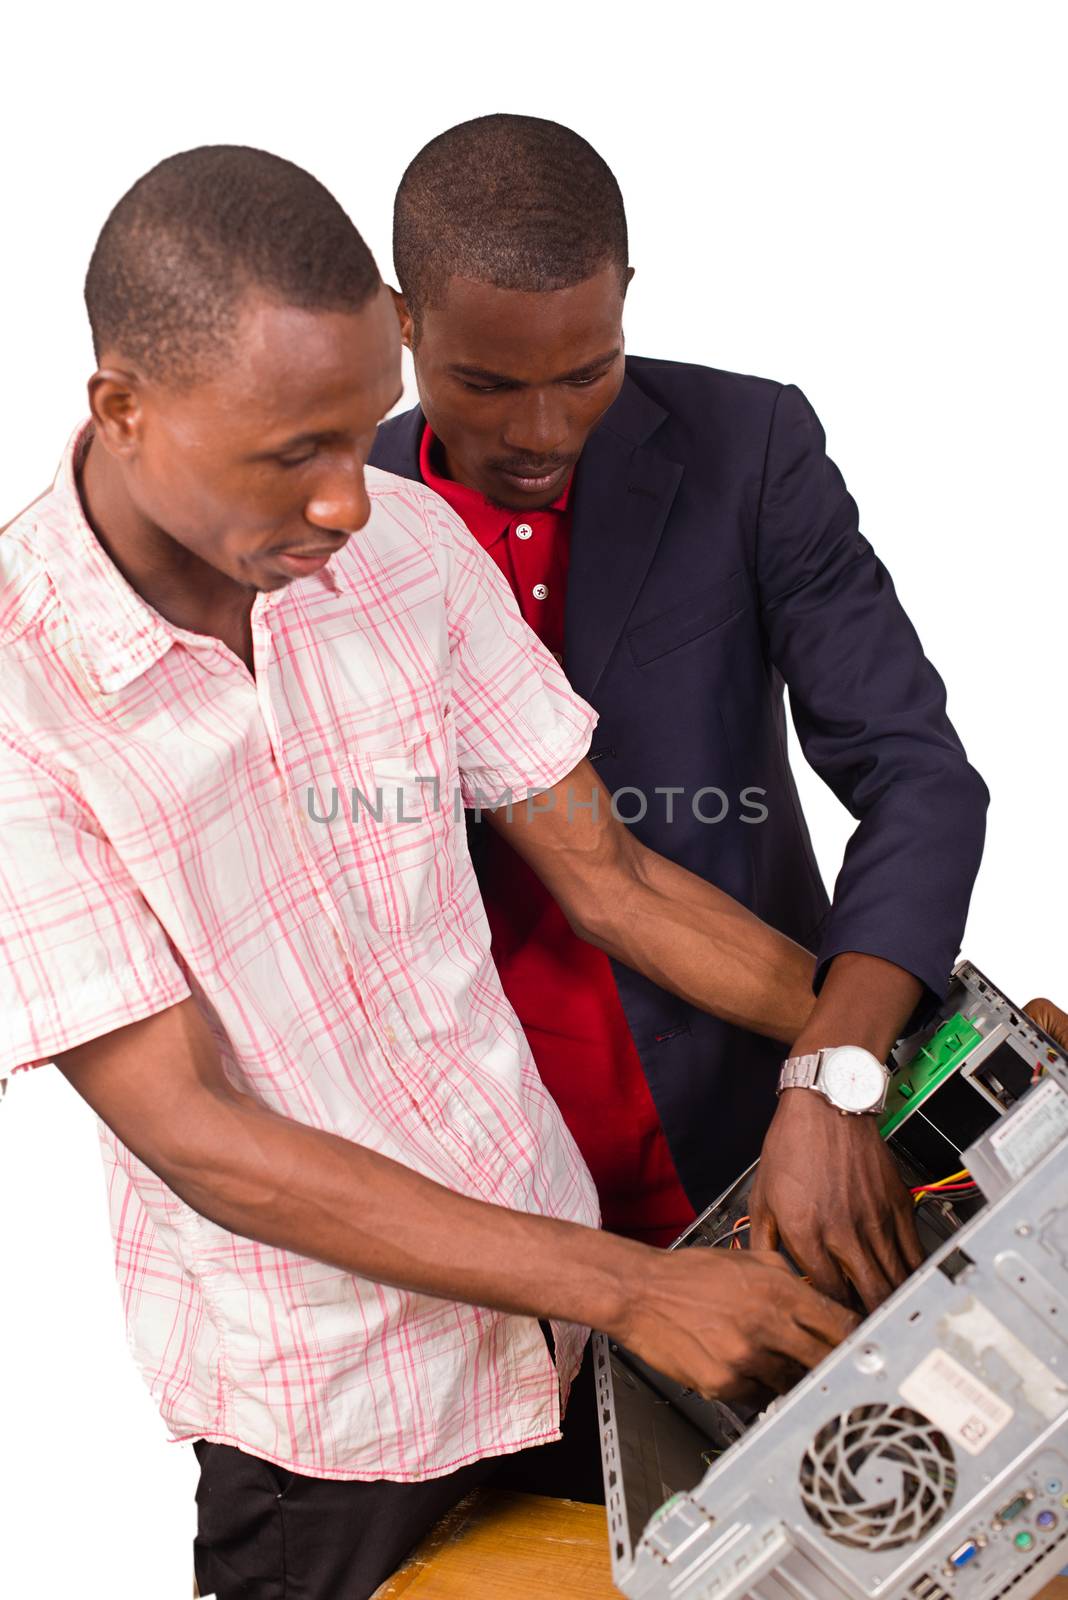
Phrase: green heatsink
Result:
[931,1065]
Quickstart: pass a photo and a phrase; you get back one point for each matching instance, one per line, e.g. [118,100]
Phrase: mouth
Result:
[529,483]
[300,562]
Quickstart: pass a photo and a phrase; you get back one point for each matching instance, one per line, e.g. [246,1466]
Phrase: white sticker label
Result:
[979,1331]
[954,1398]
[1029,1133]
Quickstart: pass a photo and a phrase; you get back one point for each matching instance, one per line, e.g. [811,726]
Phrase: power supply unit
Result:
[927,1457]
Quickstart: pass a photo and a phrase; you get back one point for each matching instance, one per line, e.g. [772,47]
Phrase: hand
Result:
[828,1191]
[725,1322]
[1051,1018]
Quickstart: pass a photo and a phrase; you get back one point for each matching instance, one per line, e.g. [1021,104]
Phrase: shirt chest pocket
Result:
[400,831]
[698,614]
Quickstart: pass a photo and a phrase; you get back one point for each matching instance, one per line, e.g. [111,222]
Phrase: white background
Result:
[864,200]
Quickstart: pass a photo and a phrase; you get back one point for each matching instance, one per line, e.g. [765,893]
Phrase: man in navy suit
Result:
[679,537]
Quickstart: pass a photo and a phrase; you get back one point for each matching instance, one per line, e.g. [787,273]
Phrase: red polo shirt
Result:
[562,988]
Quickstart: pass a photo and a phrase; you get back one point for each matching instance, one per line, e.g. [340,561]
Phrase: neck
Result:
[172,580]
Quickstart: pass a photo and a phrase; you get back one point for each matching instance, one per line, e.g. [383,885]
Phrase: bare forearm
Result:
[694,940]
[708,1320]
[267,1178]
[665,922]
[864,1000]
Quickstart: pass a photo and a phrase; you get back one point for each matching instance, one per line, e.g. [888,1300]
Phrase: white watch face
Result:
[852,1078]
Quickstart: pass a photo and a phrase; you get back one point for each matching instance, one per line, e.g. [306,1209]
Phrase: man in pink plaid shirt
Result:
[238,911]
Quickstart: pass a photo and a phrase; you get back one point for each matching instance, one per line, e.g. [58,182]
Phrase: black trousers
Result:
[264,1533]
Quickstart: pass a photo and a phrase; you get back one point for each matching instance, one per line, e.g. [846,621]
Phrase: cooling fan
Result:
[878,1477]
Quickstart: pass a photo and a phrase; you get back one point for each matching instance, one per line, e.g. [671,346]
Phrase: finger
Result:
[763,1229]
[746,1390]
[885,1246]
[826,1318]
[861,1266]
[1051,1018]
[802,1347]
[908,1238]
[816,1263]
[764,1374]
[770,1258]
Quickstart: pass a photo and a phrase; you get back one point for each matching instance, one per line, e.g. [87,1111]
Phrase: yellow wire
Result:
[933,1188]
[953,1178]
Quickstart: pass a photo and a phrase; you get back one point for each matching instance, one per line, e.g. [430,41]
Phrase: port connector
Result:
[1011,1511]
[964,1553]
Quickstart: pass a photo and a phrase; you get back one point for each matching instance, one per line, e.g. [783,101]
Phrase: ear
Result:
[116,403]
[404,317]
[627,281]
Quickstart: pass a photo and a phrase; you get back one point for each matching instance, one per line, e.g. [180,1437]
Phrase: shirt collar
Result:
[116,634]
[485,520]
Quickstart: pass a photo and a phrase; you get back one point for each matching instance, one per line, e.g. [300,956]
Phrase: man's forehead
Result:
[291,359]
[527,333]
[271,333]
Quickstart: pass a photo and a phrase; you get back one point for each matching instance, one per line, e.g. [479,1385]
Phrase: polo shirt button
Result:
[524,530]
[540,591]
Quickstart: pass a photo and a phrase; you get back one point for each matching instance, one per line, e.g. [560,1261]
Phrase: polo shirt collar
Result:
[484,519]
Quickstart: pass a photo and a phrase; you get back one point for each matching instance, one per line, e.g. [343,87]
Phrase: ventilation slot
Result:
[878,1477]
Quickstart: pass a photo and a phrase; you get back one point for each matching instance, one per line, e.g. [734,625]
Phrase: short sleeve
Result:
[520,727]
[81,953]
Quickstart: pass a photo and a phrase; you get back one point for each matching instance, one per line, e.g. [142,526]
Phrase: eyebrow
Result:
[301,440]
[463,370]
[287,445]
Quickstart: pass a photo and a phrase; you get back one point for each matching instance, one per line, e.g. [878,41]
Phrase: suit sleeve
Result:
[870,713]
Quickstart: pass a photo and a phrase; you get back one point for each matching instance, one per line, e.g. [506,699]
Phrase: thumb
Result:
[1050,1018]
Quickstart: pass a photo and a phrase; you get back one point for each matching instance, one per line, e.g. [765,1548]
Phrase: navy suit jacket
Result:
[715,556]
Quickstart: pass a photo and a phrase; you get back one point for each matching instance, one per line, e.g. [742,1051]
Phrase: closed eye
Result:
[296,460]
[583,382]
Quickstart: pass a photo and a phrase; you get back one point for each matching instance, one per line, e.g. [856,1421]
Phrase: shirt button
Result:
[524,530]
[540,591]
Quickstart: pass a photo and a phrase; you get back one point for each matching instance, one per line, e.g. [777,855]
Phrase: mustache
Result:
[533,469]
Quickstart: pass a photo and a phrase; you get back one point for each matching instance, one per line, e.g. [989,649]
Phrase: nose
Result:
[340,503]
[537,424]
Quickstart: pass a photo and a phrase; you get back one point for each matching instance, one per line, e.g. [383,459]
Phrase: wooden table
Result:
[510,1547]
[523,1547]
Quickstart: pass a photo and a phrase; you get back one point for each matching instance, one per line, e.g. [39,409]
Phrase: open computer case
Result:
[927,1457]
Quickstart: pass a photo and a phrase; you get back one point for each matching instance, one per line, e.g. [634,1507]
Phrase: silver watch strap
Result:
[799,1072]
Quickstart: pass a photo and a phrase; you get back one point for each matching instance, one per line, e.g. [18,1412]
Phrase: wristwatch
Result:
[851,1079]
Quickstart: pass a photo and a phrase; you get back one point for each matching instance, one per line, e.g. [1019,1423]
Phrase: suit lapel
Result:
[396,446]
[623,493]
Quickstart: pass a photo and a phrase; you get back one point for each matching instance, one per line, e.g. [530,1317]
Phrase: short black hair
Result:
[510,200]
[192,237]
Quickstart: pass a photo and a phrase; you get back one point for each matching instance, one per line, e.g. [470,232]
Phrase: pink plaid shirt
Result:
[159,838]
